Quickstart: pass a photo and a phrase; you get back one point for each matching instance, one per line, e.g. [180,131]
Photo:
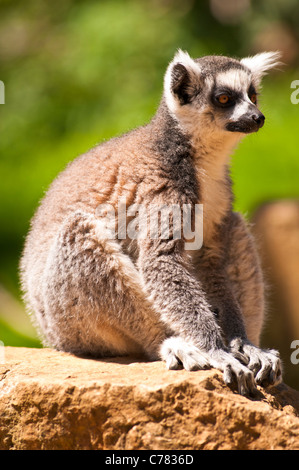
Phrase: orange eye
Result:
[253,98]
[223,99]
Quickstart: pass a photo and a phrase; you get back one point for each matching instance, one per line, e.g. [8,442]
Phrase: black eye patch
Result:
[224,97]
[252,94]
[251,90]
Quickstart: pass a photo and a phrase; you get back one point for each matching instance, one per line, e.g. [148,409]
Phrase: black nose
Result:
[259,119]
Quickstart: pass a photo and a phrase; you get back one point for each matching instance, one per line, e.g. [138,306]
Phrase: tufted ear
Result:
[259,64]
[181,81]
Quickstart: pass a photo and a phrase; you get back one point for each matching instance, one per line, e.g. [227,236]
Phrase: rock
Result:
[53,400]
[276,228]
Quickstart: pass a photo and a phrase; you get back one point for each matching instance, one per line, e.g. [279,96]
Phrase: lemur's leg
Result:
[246,280]
[168,275]
[234,289]
[94,301]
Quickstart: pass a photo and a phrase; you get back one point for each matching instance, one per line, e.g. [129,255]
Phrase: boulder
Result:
[54,400]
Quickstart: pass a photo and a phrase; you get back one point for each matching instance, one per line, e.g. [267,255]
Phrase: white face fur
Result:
[216,94]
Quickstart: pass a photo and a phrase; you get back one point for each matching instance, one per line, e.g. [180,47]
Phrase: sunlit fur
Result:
[93,295]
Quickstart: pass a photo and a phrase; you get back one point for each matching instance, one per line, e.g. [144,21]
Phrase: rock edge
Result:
[52,400]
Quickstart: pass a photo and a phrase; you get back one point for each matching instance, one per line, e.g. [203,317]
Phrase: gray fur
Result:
[89,294]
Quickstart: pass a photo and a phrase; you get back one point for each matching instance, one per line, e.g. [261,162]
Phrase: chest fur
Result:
[215,195]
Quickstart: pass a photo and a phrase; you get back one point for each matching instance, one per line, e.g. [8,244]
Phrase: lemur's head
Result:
[217,93]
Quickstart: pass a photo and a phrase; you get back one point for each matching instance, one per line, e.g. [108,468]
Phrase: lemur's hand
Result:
[264,363]
[234,372]
[178,353]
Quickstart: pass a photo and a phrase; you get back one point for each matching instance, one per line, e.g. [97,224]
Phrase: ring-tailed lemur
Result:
[98,295]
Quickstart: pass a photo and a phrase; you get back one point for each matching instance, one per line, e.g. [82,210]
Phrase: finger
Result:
[276,372]
[247,385]
[264,373]
[192,359]
[254,363]
[251,385]
[228,375]
[172,363]
[241,357]
[242,388]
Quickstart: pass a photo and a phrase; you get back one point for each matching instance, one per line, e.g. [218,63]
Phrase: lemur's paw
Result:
[178,353]
[265,363]
[234,372]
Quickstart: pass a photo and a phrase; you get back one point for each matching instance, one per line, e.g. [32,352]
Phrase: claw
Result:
[241,357]
[234,372]
[265,364]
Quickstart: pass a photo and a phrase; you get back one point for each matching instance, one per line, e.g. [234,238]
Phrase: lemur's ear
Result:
[181,81]
[259,64]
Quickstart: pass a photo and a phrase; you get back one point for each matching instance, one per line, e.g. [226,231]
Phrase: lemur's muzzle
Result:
[249,122]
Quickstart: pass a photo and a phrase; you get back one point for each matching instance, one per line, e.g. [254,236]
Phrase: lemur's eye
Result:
[223,99]
[253,98]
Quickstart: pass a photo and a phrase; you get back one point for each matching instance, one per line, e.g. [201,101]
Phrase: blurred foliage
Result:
[13,337]
[78,72]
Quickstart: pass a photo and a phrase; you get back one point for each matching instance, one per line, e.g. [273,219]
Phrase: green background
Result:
[79,72]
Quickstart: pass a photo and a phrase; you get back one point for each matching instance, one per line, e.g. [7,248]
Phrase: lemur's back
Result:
[102,175]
